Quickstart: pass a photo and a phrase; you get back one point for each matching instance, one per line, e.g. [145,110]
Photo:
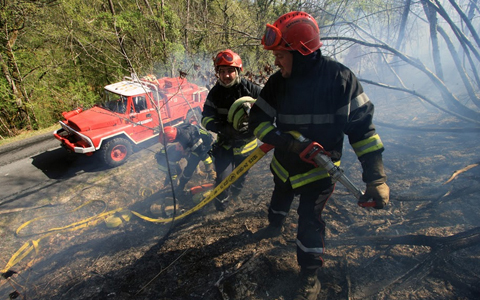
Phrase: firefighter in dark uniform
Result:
[322,100]
[232,145]
[175,154]
[195,144]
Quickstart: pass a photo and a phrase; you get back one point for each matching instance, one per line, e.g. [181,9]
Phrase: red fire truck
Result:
[129,115]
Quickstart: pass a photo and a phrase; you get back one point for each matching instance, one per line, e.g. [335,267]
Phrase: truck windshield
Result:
[114,102]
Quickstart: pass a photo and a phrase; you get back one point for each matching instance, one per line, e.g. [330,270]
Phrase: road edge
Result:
[26,142]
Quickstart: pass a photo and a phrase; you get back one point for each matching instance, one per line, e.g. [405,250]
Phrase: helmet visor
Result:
[224,58]
[272,37]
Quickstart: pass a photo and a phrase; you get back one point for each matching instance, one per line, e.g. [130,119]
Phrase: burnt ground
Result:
[425,245]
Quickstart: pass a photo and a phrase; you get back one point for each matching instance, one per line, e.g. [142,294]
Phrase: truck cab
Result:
[130,114]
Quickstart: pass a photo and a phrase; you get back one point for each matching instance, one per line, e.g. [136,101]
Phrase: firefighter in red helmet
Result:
[195,144]
[233,145]
[168,135]
[323,101]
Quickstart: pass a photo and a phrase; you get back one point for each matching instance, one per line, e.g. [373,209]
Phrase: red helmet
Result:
[228,58]
[295,30]
[170,134]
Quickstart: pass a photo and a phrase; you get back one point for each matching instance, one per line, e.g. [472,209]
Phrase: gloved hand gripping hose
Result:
[316,155]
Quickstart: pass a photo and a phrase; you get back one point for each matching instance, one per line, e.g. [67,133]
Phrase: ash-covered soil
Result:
[425,245]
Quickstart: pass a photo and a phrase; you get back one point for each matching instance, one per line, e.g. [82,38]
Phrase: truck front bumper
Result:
[73,140]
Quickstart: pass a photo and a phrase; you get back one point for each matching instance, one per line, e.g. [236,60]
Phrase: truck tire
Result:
[116,151]
[194,116]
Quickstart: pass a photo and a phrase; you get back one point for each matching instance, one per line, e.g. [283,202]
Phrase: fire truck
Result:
[129,115]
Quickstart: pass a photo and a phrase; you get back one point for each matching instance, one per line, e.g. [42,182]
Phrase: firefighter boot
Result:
[221,204]
[310,286]
[166,183]
[236,194]
[212,175]
[180,189]
[268,232]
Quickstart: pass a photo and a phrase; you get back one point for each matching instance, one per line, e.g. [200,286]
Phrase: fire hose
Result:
[249,162]
[314,154]
[32,245]
[318,156]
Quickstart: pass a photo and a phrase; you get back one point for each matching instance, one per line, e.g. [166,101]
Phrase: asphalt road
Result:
[36,168]
[16,151]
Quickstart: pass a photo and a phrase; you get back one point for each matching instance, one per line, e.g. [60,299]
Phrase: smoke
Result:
[197,67]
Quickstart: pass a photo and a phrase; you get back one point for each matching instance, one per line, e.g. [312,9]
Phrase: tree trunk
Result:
[11,73]
[465,19]
[432,20]
[187,21]
[403,24]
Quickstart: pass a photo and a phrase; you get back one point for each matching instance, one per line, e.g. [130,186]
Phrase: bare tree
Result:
[463,102]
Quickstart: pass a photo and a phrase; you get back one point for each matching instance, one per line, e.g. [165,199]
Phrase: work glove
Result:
[296,146]
[286,142]
[379,192]
[228,131]
[243,127]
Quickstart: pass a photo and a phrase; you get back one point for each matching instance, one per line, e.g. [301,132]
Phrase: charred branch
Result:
[453,243]
[465,19]
[464,41]
[461,70]
[426,99]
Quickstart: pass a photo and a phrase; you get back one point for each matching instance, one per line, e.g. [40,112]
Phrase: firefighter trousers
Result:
[225,162]
[311,228]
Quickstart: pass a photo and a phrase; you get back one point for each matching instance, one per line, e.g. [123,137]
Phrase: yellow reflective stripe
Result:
[203,131]
[262,129]
[208,160]
[365,146]
[206,120]
[278,169]
[310,176]
[245,148]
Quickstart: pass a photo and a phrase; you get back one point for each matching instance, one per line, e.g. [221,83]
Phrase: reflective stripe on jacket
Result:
[324,102]
[215,112]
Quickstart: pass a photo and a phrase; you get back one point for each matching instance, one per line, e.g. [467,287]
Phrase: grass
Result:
[28,134]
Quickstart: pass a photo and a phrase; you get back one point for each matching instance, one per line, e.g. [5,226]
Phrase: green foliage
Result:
[59,99]
[66,51]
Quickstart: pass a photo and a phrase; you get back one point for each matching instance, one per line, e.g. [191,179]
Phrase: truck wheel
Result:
[115,152]
[194,117]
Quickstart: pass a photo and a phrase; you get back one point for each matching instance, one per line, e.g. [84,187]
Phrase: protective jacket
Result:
[323,100]
[194,140]
[215,112]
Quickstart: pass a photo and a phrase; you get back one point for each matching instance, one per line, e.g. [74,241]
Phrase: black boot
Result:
[309,287]
[221,205]
[235,194]
[212,175]
[268,232]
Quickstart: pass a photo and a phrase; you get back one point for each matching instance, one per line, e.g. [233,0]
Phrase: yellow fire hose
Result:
[29,246]
[236,173]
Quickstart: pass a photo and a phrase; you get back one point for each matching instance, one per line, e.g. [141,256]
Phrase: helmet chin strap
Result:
[234,82]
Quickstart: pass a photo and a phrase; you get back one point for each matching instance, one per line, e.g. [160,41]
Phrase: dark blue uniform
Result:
[324,101]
